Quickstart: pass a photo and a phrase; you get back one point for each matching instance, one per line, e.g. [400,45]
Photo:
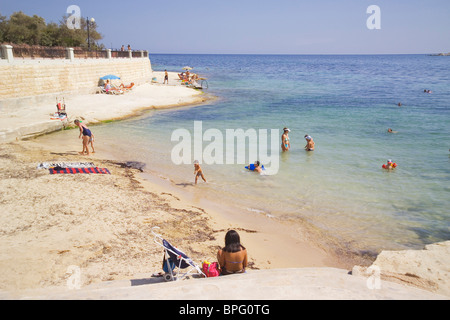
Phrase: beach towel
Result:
[48,165]
[91,170]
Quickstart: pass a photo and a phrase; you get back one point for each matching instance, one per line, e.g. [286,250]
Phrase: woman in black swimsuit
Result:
[87,136]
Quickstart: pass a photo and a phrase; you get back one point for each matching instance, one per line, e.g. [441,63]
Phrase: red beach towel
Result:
[95,170]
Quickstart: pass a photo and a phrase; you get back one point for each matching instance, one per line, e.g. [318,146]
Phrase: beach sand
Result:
[103,224]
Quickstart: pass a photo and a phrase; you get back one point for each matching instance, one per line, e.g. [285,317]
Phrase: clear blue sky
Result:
[259,26]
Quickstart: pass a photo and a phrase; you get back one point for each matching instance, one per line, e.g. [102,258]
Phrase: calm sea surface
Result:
[346,103]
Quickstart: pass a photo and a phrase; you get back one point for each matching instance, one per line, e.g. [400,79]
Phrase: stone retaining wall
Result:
[25,78]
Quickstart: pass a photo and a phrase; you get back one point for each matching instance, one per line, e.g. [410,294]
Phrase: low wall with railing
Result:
[65,71]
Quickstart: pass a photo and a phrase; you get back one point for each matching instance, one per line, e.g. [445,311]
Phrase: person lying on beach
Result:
[309,143]
[233,257]
[87,137]
[285,144]
[131,85]
[198,171]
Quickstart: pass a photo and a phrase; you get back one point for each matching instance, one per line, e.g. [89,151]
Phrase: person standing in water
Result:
[285,144]
[309,143]
[87,137]
[198,171]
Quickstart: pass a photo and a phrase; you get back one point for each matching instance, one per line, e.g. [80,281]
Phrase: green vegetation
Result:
[23,29]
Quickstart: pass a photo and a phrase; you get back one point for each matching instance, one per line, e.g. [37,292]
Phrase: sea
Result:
[346,103]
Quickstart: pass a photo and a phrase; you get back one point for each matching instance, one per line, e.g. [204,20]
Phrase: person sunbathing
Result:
[131,85]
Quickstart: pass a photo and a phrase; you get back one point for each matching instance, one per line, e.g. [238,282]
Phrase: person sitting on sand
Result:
[107,86]
[87,137]
[309,143]
[198,171]
[285,144]
[233,257]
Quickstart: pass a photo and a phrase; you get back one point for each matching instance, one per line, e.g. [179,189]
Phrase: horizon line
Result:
[305,54]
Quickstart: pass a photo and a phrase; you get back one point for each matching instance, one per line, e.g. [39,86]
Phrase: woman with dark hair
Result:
[233,257]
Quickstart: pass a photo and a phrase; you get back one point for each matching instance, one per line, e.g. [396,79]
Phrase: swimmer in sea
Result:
[258,167]
[309,143]
[285,144]
[87,137]
[390,165]
[198,171]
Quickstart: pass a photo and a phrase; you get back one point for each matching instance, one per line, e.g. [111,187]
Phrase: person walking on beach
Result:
[198,171]
[309,143]
[285,144]
[87,137]
[233,257]
[166,77]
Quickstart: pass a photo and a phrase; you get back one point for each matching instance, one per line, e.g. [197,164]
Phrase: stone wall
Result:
[27,80]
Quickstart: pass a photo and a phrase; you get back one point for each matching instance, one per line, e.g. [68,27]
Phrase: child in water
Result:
[390,165]
[198,171]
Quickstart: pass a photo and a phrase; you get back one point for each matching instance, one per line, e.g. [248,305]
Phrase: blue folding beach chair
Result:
[176,259]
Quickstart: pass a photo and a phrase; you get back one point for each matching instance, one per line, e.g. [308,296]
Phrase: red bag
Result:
[211,269]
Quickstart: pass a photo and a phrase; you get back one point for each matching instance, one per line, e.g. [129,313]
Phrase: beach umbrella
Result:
[109,77]
[187,68]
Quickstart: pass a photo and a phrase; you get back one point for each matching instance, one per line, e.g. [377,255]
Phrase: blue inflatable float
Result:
[252,167]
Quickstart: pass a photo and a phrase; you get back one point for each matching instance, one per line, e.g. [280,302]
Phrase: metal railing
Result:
[80,53]
[33,52]
[40,52]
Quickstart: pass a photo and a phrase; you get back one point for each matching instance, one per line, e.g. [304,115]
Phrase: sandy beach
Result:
[102,223]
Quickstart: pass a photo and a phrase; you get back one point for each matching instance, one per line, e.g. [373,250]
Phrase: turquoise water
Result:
[346,103]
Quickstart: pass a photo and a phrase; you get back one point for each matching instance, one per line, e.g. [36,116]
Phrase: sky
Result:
[259,26]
